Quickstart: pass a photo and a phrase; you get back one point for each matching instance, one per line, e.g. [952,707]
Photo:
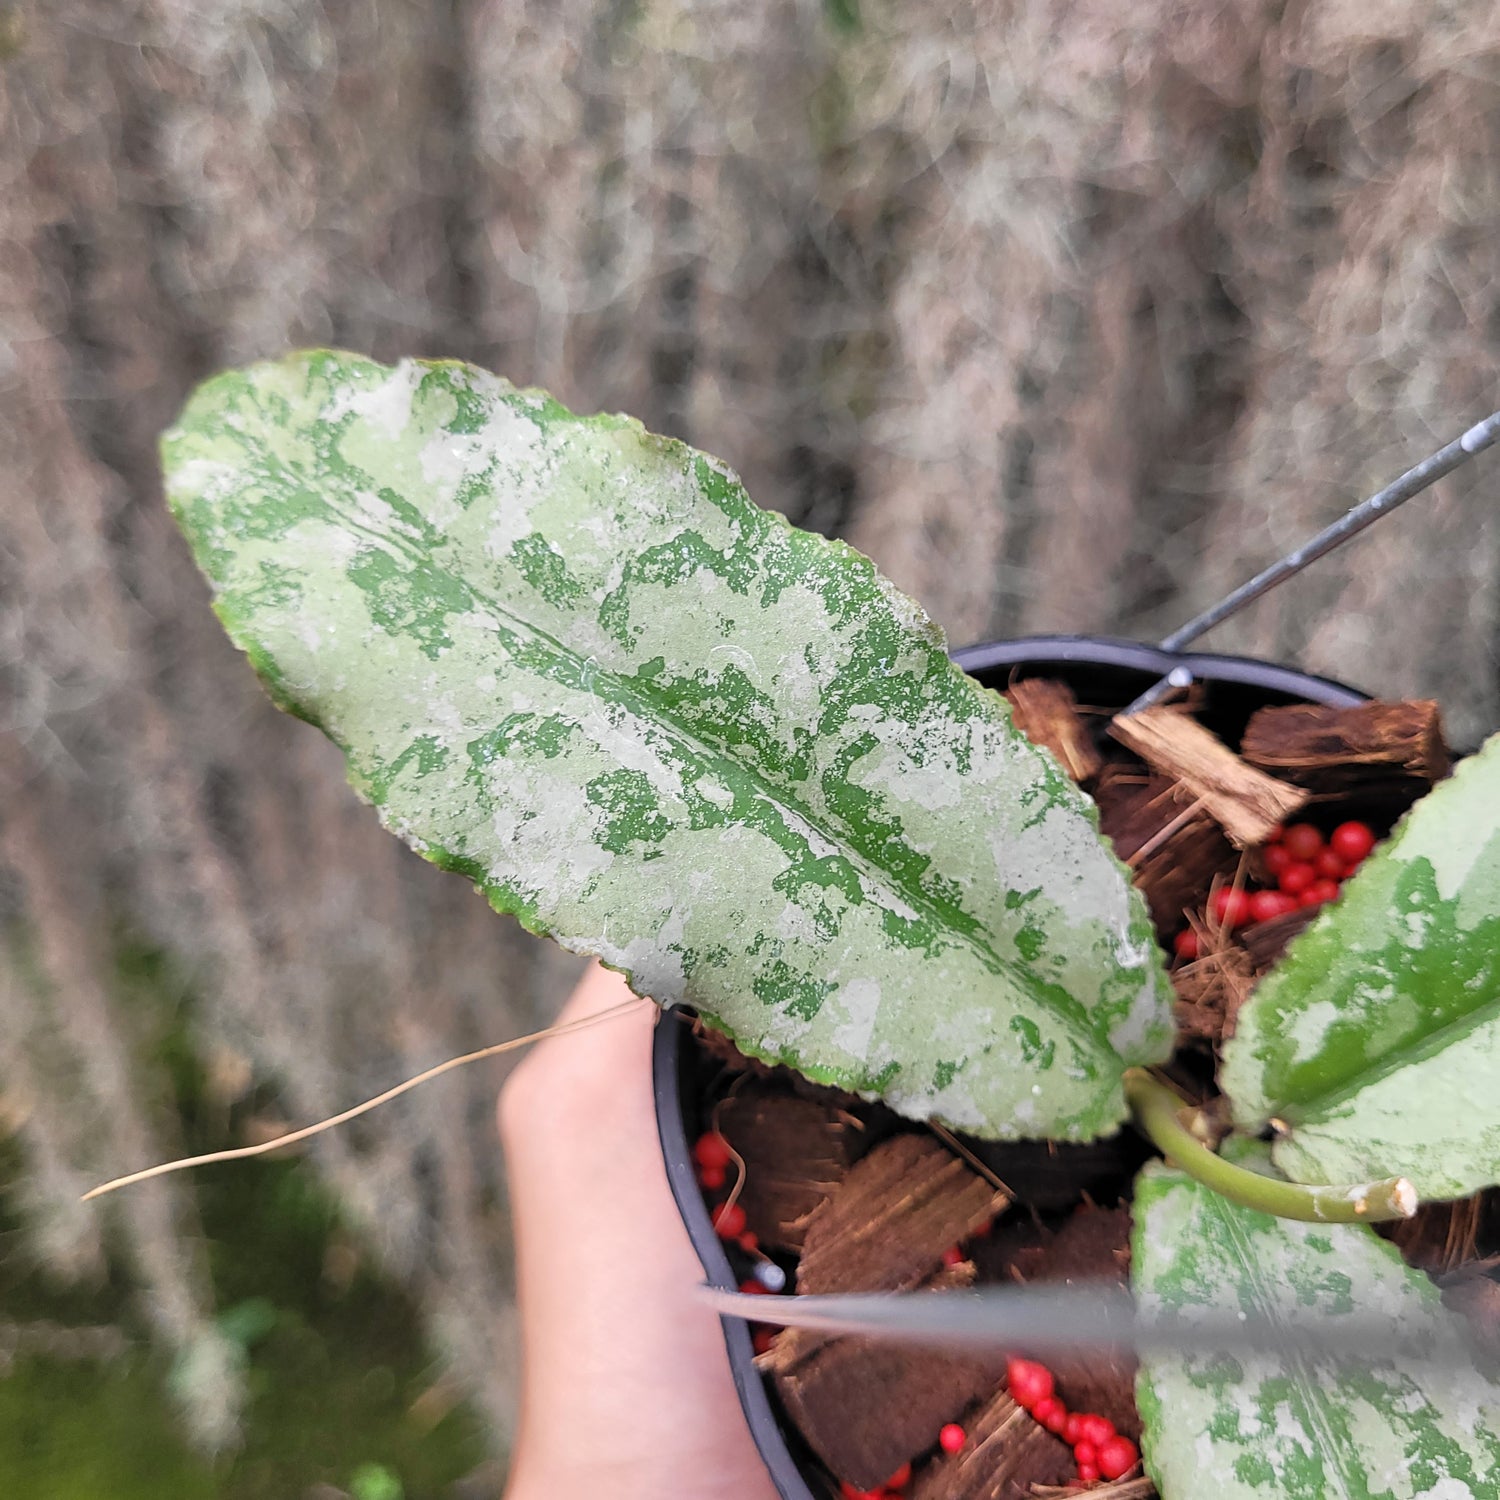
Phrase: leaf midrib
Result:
[1316,1108]
[645,707]
[1310,1388]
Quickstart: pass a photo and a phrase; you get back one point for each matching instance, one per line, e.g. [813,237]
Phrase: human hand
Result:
[626,1390]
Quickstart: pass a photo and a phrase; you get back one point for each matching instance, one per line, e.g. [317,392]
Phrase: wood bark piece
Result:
[1173,846]
[1007,1452]
[893,1216]
[796,1153]
[1265,942]
[1124,1489]
[867,1406]
[1046,712]
[1371,746]
[1245,802]
[1092,1249]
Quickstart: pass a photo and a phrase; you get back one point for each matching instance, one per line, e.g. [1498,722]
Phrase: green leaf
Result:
[572,660]
[1290,1427]
[376,1482]
[1377,1038]
[249,1321]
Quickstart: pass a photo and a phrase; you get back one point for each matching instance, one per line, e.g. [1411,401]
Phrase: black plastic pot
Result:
[1102,671]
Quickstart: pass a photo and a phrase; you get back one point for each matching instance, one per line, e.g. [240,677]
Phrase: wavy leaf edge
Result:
[1375,1042]
[258,503]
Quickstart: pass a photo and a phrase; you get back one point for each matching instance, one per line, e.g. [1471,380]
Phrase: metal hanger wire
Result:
[1421,476]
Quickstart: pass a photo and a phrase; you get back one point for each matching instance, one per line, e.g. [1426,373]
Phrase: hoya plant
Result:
[571,660]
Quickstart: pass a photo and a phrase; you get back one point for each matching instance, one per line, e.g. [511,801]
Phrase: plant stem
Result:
[1156,1110]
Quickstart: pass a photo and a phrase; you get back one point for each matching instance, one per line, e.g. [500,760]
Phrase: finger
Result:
[596,991]
[591,1064]
[616,1343]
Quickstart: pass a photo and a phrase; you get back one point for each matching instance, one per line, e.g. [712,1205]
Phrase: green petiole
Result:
[1156,1109]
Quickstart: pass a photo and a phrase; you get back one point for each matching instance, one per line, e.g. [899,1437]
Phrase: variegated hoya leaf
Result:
[1376,1041]
[572,660]
[1288,1427]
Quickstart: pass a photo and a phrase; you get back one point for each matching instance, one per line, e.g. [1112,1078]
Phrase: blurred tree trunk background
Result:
[1070,313]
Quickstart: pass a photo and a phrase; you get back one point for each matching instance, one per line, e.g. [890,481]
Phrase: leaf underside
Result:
[1377,1038]
[571,660]
[1265,1427]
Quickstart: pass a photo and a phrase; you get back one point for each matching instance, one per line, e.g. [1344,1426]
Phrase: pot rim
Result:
[1136,656]
[666,1054]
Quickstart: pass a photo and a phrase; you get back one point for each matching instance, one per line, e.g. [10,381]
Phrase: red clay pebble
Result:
[1330,865]
[1302,841]
[1267,904]
[1085,1453]
[1029,1383]
[953,1256]
[1277,858]
[1230,905]
[762,1339]
[729,1221]
[1052,1414]
[712,1150]
[951,1439]
[749,1242]
[1096,1429]
[1185,944]
[1117,1457]
[900,1479]
[1352,841]
[1088,1474]
[1319,892]
[1297,877]
[752,1288]
[1072,1433]
[711,1177]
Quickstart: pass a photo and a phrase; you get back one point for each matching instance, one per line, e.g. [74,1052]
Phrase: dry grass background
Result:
[1071,313]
